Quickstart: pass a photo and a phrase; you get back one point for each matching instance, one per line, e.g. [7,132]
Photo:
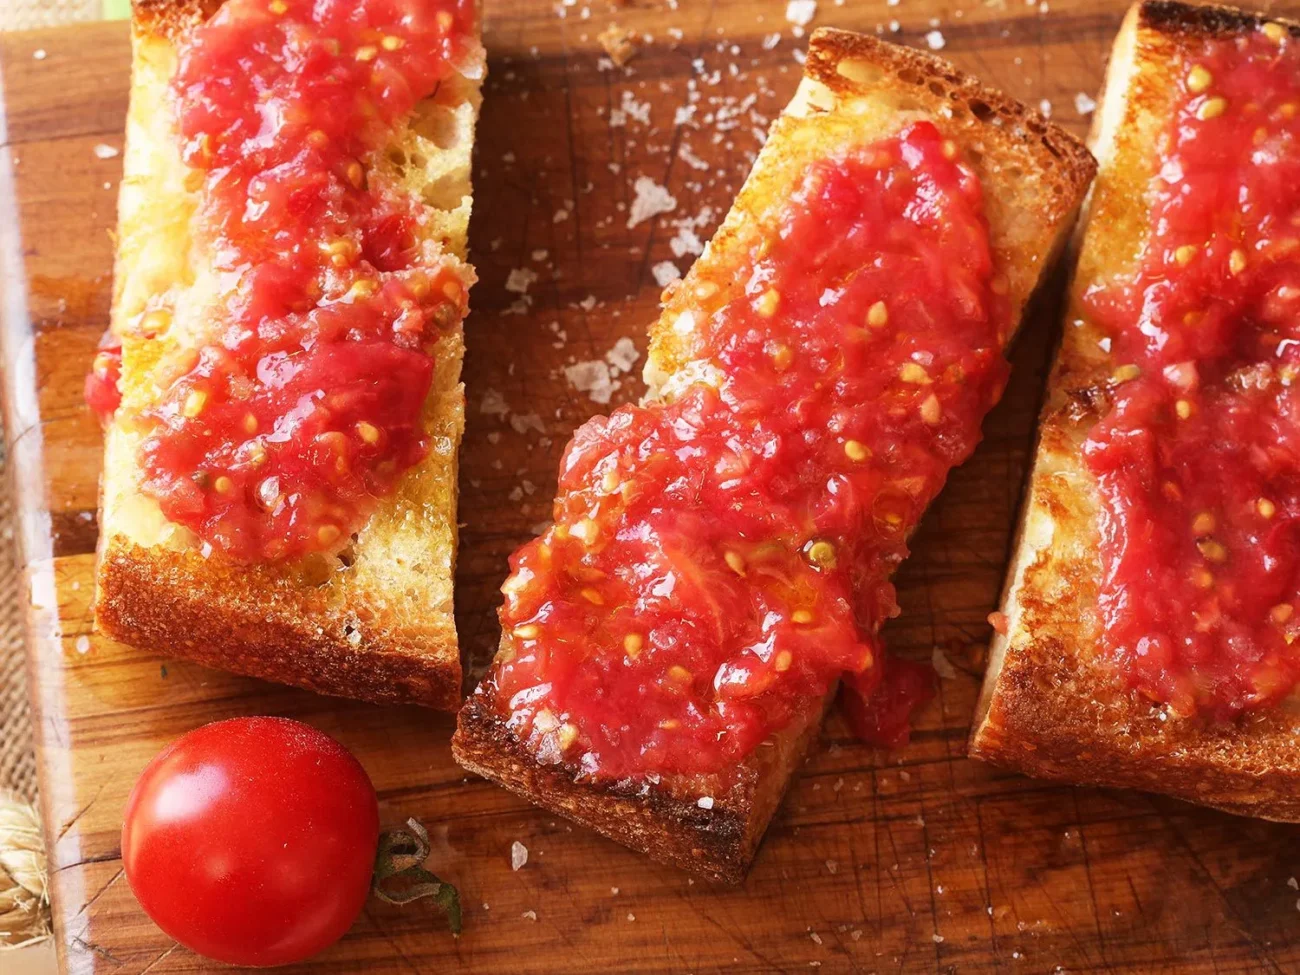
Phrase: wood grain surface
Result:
[916,861]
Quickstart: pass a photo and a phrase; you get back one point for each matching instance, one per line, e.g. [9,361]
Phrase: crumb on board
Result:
[620,43]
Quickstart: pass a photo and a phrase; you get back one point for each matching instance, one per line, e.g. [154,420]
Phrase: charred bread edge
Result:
[162,600]
[665,822]
[1249,770]
[719,843]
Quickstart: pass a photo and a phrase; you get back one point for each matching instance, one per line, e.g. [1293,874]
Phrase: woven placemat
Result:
[17,762]
[26,14]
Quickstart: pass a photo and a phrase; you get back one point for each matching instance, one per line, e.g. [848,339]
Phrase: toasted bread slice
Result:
[856,91]
[1051,705]
[382,627]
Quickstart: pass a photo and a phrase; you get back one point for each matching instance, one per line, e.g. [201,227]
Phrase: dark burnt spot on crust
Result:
[1170,17]
[1087,403]
[718,843]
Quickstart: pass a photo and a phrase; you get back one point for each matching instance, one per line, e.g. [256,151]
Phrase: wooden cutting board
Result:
[917,861]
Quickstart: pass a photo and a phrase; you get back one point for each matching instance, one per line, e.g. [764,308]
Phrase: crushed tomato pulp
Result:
[297,400]
[1198,461]
[721,558]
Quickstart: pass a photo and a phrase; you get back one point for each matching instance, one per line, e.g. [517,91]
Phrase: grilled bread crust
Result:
[856,90]
[380,628]
[1052,705]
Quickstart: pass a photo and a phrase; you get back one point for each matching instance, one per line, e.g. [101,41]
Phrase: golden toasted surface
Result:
[380,628]
[1050,705]
[856,90]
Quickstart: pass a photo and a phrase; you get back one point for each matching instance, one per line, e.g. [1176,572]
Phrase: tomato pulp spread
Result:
[1198,461]
[719,559]
[300,402]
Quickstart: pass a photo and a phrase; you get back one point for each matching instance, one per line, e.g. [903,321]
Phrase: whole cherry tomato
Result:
[252,841]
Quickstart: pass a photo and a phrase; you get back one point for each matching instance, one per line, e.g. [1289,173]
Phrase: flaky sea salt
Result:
[942,666]
[665,273]
[623,354]
[800,13]
[520,280]
[686,241]
[494,404]
[518,855]
[591,377]
[651,200]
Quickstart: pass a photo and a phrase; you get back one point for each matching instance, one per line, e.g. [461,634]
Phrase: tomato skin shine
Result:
[252,841]
[1198,459]
[720,559]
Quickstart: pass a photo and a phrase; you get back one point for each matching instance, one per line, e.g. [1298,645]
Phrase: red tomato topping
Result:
[103,393]
[252,840]
[1199,459]
[301,402]
[719,560]
[878,703]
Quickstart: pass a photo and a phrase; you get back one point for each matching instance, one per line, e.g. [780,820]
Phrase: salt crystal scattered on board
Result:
[523,422]
[518,855]
[665,273]
[800,13]
[38,54]
[651,200]
[942,666]
[623,354]
[686,241]
[493,403]
[1083,104]
[934,40]
[520,280]
[591,377]
[104,151]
